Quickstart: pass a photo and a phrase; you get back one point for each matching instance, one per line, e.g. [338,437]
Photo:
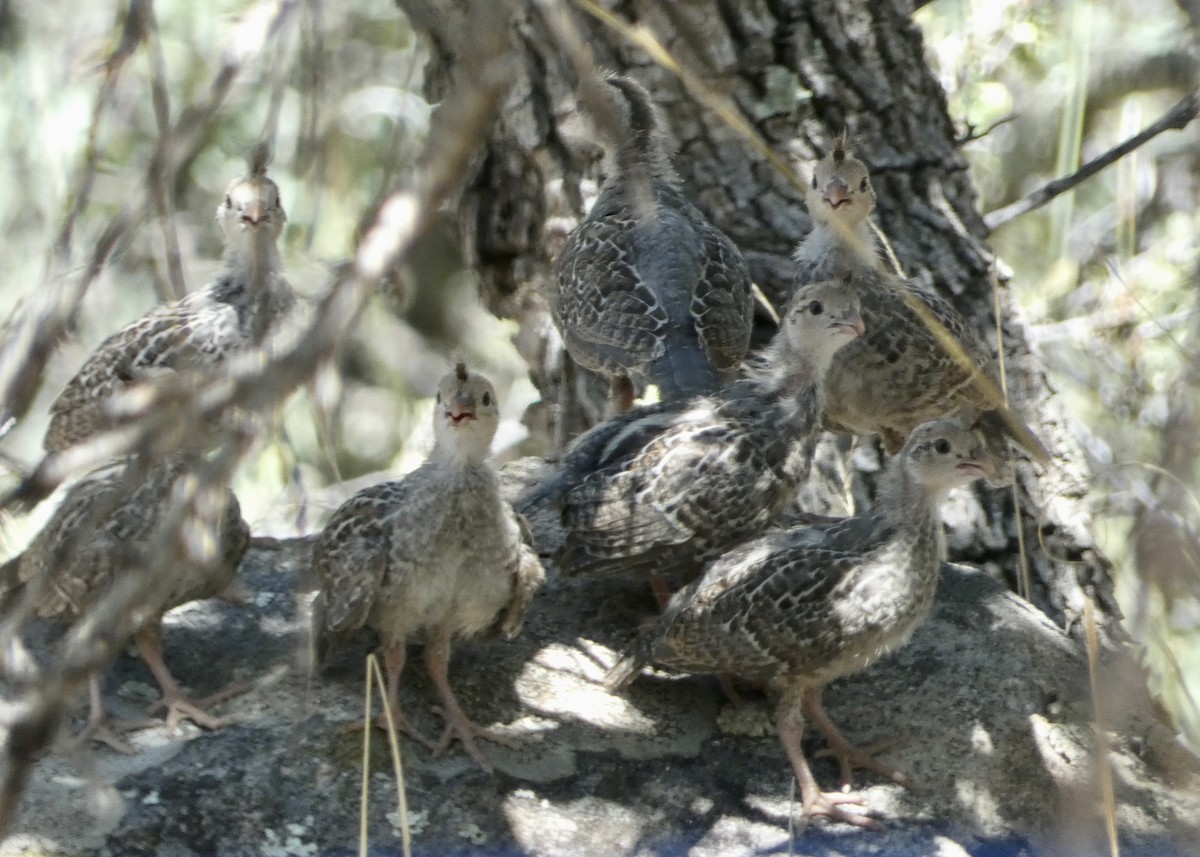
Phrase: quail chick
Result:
[904,371]
[657,491]
[233,312]
[108,527]
[438,554]
[647,290]
[797,608]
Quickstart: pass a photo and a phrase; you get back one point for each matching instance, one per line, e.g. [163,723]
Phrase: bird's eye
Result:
[816,307]
[814,181]
[863,185]
[438,399]
[487,399]
[228,201]
[941,446]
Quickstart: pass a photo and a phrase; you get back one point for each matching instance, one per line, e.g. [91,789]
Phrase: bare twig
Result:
[972,135]
[162,116]
[176,410]
[28,345]
[131,36]
[1173,120]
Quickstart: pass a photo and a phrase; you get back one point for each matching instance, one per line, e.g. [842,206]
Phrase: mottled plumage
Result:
[903,372]
[232,313]
[798,608]
[646,288]
[657,491]
[439,553]
[109,525]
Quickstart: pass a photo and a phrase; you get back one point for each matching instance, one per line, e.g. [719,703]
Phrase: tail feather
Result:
[639,655]
[683,372]
[624,671]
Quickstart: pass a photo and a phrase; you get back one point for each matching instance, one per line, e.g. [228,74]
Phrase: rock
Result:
[990,704]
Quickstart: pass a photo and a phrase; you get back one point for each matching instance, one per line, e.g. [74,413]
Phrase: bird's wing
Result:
[610,318]
[103,528]
[723,303]
[178,336]
[602,446]
[528,576]
[688,488]
[351,555]
[763,606]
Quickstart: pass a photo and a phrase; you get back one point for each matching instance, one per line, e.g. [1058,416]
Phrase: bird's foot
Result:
[850,757]
[834,805]
[400,722]
[459,726]
[107,730]
[725,680]
[402,725]
[179,707]
[847,754]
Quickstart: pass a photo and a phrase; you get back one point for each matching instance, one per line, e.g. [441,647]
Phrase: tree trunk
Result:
[800,72]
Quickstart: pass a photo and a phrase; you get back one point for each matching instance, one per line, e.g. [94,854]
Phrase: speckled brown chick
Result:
[903,372]
[437,555]
[655,492]
[109,525]
[797,608]
[646,289]
[232,313]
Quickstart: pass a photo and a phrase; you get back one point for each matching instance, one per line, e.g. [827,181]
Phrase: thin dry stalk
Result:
[375,677]
[1103,770]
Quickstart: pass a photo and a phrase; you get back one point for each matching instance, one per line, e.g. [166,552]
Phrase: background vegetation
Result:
[1106,275]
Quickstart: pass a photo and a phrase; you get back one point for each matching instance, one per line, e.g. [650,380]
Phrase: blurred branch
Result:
[175,412]
[131,36]
[27,345]
[972,135]
[1082,328]
[1191,8]
[162,116]
[1175,119]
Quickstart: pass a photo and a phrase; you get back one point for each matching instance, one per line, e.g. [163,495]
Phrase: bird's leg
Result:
[620,395]
[814,801]
[661,592]
[177,703]
[393,661]
[458,725]
[99,726]
[848,755]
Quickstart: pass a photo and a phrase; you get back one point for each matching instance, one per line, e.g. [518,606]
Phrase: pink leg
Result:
[848,755]
[99,726]
[620,395]
[815,801]
[177,703]
[661,592]
[458,725]
[393,663]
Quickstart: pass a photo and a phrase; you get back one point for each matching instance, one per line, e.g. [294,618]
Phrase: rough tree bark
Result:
[800,72]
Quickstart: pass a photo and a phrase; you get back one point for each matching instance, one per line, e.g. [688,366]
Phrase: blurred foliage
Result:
[352,119]
[1107,274]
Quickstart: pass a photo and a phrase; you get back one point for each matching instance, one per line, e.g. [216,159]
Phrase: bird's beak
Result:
[254,213]
[851,322]
[837,194]
[461,410]
[980,463]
